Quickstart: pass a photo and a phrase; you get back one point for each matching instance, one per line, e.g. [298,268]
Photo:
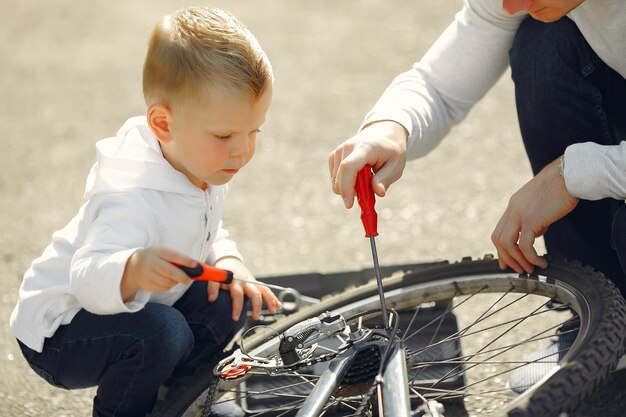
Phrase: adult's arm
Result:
[456,72]
[421,105]
[589,171]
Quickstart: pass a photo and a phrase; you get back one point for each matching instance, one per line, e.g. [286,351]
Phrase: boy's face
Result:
[210,142]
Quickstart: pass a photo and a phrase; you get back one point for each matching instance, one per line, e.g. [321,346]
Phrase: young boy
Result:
[104,305]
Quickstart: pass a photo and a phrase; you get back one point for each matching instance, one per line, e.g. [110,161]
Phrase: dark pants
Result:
[128,356]
[566,94]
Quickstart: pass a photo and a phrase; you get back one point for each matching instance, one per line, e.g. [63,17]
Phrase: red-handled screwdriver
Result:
[369,218]
[204,272]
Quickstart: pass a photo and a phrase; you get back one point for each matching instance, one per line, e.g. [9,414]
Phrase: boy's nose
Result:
[242,147]
[514,6]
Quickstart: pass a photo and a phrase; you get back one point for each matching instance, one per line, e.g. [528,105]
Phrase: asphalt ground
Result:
[71,75]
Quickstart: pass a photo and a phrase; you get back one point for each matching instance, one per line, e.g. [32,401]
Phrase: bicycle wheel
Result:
[499,319]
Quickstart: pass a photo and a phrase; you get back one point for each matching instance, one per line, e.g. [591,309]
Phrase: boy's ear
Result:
[159,117]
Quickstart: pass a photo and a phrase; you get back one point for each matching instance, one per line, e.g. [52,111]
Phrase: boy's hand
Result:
[256,293]
[151,269]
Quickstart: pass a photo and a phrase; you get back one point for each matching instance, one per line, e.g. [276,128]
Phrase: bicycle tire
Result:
[587,365]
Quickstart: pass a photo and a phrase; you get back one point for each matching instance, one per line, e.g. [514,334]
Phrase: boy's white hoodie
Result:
[135,199]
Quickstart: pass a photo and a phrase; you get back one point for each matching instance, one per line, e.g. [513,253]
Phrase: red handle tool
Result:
[366,198]
[203,272]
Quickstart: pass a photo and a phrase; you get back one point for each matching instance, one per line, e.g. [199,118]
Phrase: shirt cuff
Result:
[593,171]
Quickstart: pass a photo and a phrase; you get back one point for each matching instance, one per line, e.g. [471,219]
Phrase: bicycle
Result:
[324,359]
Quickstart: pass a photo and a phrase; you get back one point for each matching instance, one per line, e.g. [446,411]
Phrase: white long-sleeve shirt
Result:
[467,60]
[135,199]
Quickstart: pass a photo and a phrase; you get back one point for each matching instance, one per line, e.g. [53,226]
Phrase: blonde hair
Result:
[194,50]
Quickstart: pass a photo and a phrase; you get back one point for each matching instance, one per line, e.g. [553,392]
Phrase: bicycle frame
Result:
[395,387]
[394,393]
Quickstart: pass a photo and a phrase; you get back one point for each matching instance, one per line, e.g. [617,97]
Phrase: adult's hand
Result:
[381,145]
[531,210]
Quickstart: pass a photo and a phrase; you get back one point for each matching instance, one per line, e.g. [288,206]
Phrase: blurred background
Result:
[71,75]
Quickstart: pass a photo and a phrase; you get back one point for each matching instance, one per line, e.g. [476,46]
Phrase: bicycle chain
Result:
[365,407]
[210,398]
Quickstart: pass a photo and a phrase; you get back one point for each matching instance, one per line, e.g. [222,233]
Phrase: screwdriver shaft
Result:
[271,286]
[379,282]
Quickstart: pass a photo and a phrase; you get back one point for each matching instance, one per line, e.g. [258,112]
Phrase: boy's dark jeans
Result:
[566,94]
[128,356]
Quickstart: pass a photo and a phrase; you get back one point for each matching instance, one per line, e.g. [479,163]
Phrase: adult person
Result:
[568,64]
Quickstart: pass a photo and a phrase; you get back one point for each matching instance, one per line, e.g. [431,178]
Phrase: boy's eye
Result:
[224,137]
